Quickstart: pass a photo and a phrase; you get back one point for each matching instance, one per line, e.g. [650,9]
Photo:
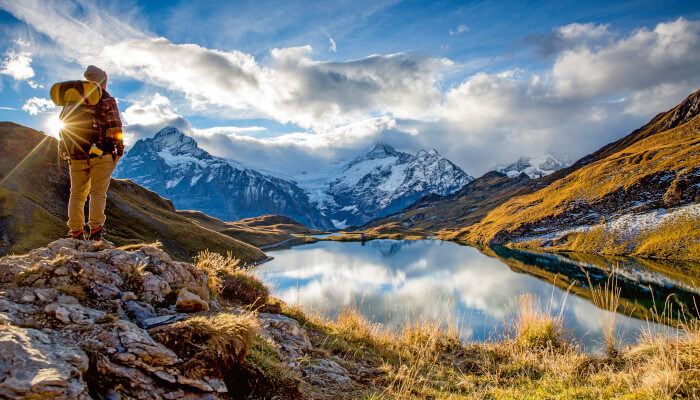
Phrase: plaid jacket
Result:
[107,116]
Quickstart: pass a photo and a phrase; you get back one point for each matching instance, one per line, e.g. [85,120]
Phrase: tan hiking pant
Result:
[89,177]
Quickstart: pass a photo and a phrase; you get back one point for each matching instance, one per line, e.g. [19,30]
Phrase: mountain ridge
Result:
[380,181]
[534,167]
[172,164]
[376,182]
[635,196]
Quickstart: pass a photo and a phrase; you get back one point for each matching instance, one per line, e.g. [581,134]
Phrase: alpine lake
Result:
[476,290]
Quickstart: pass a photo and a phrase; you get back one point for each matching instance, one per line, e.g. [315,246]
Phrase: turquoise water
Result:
[392,281]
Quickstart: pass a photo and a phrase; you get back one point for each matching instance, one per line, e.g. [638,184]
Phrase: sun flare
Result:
[54,125]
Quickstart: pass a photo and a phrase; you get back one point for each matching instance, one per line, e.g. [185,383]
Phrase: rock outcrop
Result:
[81,320]
[73,317]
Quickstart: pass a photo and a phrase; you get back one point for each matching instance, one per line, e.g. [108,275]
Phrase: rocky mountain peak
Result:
[378,150]
[535,167]
[172,139]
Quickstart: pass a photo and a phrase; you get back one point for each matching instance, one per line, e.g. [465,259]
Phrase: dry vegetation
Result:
[230,283]
[211,344]
[535,358]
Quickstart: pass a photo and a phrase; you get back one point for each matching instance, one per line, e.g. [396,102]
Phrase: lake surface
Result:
[393,281]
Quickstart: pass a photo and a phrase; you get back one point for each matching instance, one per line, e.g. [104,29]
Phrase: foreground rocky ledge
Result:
[81,320]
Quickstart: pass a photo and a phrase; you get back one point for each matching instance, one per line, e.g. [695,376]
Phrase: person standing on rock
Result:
[92,140]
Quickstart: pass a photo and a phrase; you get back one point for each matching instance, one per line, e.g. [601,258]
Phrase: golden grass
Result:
[674,150]
[229,282]
[607,299]
[209,343]
[74,290]
[533,327]
[676,238]
[534,359]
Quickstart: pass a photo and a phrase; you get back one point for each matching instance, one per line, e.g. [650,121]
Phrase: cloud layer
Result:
[595,86]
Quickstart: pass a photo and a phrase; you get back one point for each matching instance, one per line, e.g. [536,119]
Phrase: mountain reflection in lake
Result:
[394,281]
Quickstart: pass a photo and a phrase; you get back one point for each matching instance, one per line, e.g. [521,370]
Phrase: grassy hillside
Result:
[463,208]
[677,116]
[34,189]
[266,230]
[657,172]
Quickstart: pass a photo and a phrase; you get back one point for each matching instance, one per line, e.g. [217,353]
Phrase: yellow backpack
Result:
[76,93]
[81,130]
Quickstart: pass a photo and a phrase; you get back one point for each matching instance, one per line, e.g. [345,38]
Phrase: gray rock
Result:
[61,313]
[28,298]
[46,295]
[64,299]
[190,302]
[154,288]
[128,296]
[137,341]
[34,365]
[162,320]
[139,311]
[289,338]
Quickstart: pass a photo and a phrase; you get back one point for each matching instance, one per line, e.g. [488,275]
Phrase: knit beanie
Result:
[92,73]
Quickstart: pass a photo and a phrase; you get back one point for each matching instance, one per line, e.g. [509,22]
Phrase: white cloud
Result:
[493,118]
[36,105]
[81,27]
[668,54]
[289,152]
[484,120]
[17,65]
[294,88]
[332,47]
[577,30]
[460,29]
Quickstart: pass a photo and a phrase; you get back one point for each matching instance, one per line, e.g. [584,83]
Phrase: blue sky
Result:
[290,86]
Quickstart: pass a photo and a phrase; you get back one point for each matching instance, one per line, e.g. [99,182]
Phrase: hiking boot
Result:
[80,235]
[96,234]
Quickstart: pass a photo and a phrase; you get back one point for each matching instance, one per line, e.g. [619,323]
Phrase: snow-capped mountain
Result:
[172,165]
[379,182]
[535,167]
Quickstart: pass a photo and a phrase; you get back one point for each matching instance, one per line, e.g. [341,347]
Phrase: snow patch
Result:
[629,225]
[339,224]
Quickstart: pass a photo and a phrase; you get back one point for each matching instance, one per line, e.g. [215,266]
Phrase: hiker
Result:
[92,140]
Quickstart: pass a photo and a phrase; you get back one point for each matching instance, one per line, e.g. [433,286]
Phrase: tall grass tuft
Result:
[229,282]
[607,299]
[534,327]
[669,359]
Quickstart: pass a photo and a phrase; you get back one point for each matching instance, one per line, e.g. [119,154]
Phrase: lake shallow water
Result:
[392,282]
